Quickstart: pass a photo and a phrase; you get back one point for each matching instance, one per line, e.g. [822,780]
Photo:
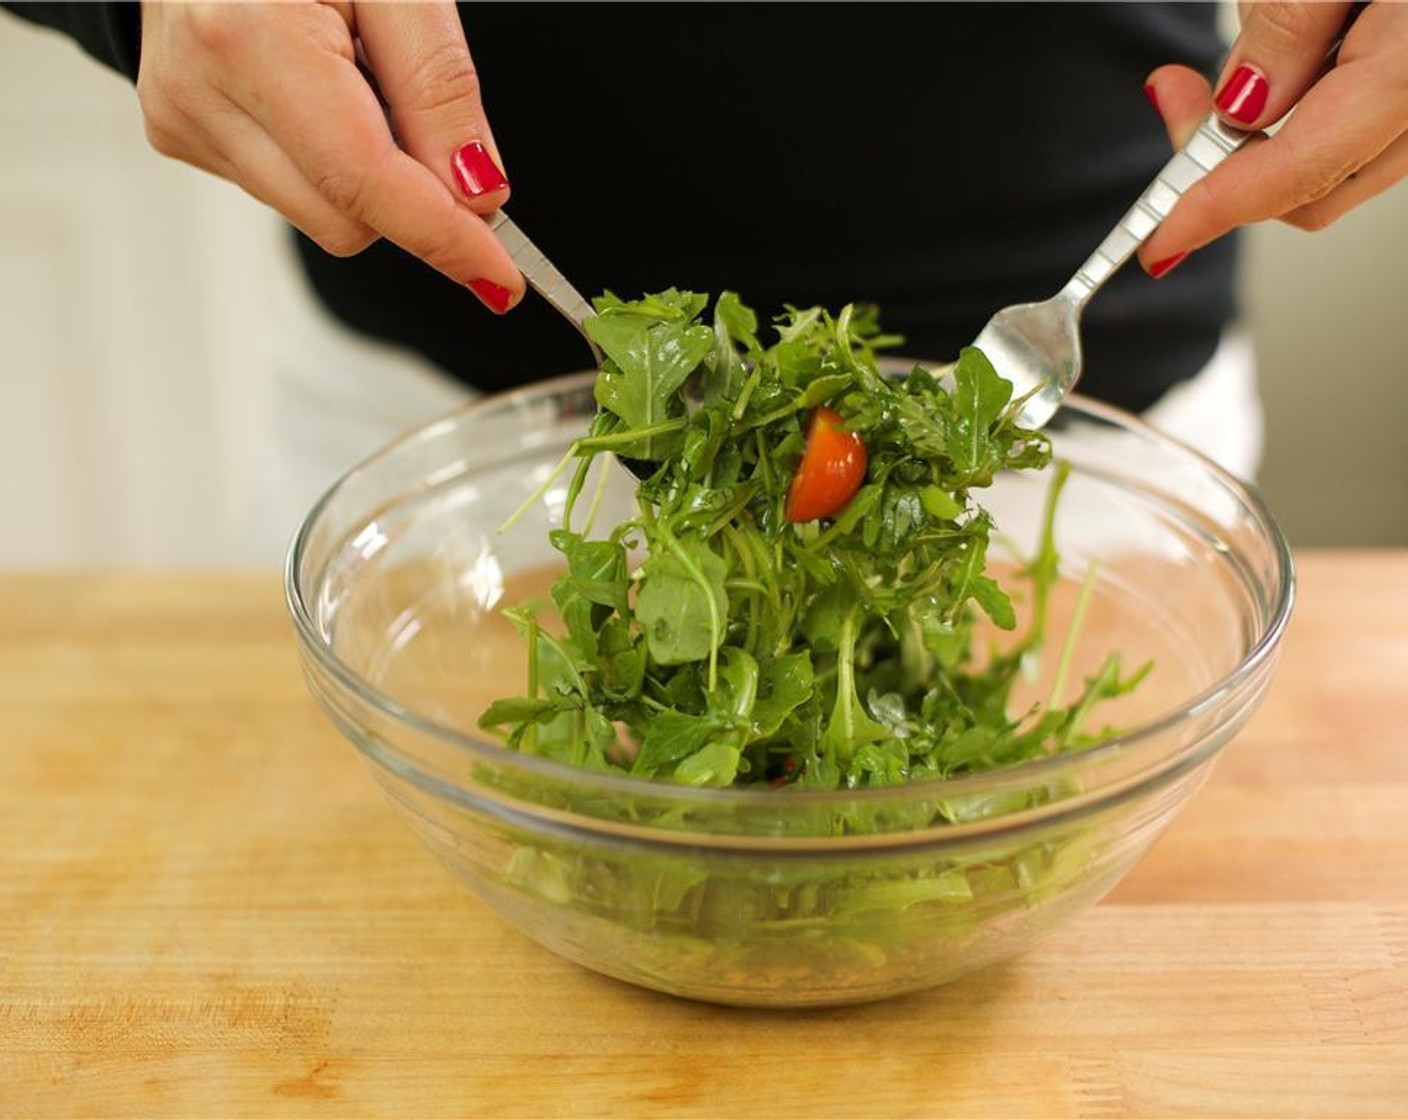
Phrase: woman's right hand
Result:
[1346,142]
[271,97]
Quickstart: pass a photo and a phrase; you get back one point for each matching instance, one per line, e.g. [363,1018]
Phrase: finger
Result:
[1182,97]
[1346,121]
[216,136]
[318,108]
[1373,178]
[1278,53]
[424,70]
[241,151]
[345,10]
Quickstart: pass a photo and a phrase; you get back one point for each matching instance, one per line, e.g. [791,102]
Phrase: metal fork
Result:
[1036,346]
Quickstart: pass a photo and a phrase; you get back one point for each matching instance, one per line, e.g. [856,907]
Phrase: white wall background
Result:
[135,321]
[133,326]
[1329,313]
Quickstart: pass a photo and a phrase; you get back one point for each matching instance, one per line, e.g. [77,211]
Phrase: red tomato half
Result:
[831,471]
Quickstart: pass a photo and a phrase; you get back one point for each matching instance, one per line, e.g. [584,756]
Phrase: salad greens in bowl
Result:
[849,686]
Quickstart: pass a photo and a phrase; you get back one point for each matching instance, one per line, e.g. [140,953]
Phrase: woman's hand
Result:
[271,97]
[1346,141]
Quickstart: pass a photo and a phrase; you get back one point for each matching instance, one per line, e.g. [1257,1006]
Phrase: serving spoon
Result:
[544,278]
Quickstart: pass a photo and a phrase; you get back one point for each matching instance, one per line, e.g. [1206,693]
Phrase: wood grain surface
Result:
[207,909]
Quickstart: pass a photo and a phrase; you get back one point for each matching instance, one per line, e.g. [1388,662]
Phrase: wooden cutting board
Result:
[207,909]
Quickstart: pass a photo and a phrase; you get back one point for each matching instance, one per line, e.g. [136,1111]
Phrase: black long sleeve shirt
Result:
[941,160]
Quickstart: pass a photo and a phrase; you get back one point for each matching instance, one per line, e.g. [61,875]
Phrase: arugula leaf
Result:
[979,400]
[596,569]
[748,649]
[682,601]
[673,737]
[621,661]
[850,726]
[725,370]
[518,709]
[594,587]
[650,353]
[737,690]
[713,765]
[970,583]
[785,684]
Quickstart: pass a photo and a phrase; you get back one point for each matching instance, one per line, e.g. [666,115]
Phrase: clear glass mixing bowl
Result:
[777,897]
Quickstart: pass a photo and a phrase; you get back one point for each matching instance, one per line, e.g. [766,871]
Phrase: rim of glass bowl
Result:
[1129,782]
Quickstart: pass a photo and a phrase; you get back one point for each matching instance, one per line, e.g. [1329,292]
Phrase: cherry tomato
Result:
[831,470]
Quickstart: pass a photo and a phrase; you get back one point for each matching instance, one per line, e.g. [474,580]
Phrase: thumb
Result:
[1182,98]
[424,71]
[1278,54]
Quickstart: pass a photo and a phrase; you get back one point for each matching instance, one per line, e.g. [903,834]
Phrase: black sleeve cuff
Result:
[110,32]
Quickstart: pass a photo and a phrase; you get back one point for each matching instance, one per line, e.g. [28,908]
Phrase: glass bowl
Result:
[778,897]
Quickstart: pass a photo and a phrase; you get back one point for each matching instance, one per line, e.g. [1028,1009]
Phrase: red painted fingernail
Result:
[475,170]
[494,296]
[1244,97]
[1167,265]
[1153,96]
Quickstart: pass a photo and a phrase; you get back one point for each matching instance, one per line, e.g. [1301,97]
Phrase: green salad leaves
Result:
[709,640]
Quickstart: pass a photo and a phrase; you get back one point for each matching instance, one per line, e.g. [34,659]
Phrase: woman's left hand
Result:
[1346,141]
